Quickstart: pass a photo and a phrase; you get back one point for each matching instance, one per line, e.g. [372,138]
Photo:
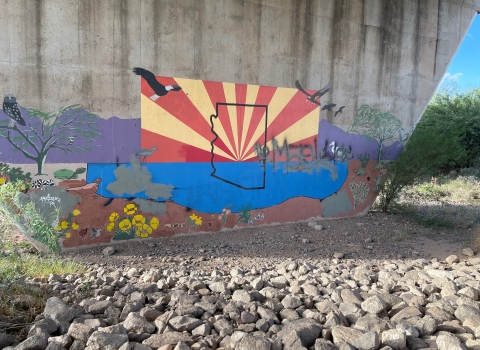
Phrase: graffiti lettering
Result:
[48,199]
[175,225]
[304,158]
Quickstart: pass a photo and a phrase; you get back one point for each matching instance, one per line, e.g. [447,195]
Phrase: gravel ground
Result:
[376,236]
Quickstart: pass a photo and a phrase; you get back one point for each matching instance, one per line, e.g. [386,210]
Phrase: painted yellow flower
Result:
[64,224]
[147,228]
[154,223]
[110,227]
[138,220]
[130,209]
[113,217]
[198,221]
[75,226]
[144,234]
[68,235]
[2,180]
[193,217]
[125,225]
[76,212]
[58,227]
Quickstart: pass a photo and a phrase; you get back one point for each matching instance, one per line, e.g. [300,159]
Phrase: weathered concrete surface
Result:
[389,54]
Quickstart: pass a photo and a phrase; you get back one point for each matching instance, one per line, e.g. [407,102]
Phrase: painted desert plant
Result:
[17,209]
[131,224]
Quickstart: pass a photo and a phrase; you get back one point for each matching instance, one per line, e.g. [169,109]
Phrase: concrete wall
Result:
[379,55]
[390,54]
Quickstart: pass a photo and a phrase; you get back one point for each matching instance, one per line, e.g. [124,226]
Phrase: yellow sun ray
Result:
[173,128]
[276,105]
[304,128]
[252,92]
[230,97]
[196,92]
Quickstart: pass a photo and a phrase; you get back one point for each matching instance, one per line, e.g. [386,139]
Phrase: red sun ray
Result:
[181,107]
[296,109]
[241,97]
[217,94]
[172,151]
[264,96]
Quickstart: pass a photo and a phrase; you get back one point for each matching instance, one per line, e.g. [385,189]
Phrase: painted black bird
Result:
[159,89]
[10,107]
[339,111]
[316,96]
[329,107]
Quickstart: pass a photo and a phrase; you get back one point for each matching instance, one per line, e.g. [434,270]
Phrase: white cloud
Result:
[470,36]
[451,78]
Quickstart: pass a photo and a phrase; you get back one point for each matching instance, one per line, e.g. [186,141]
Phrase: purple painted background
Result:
[327,133]
[119,139]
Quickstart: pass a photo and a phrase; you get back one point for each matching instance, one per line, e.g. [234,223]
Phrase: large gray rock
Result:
[58,311]
[250,342]
[322,344]
[373,305]
[48,324]
[242,295]
[291,302]
[370,340]
[134,323]
[32,343]
[55,346]
[6,339]
[64,341]
[350,296]
[184,323]
[158,340]
[345,334]
[465,311]
[448,342]
[106,341]
[99,307]
[306,329]
[427,325]
[80,331]
[218,287]
[268,314]
[395,338]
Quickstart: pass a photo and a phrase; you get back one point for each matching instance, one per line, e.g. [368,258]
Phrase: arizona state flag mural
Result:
[245,116]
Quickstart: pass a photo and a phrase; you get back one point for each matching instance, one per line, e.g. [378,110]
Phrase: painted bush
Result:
[204,156]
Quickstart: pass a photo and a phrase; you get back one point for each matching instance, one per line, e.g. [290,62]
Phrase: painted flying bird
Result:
[316,96]
[10,107]
[329,107]
[95,232]
[145,153]
[339,111]
[159,89]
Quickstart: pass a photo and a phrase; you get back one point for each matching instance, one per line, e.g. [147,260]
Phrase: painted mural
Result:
[203,156]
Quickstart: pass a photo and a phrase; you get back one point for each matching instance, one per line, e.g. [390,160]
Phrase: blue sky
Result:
[464,70]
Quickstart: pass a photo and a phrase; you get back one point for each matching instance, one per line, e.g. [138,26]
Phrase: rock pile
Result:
[320,305]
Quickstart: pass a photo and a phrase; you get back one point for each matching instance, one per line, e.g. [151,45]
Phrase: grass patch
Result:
[442,203]
[16,266]
[21,302]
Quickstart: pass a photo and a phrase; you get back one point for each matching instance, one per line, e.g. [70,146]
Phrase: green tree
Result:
[376,125]
[452,108]
[430,149]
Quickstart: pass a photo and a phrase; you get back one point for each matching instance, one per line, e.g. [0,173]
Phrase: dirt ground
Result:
[376,236]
